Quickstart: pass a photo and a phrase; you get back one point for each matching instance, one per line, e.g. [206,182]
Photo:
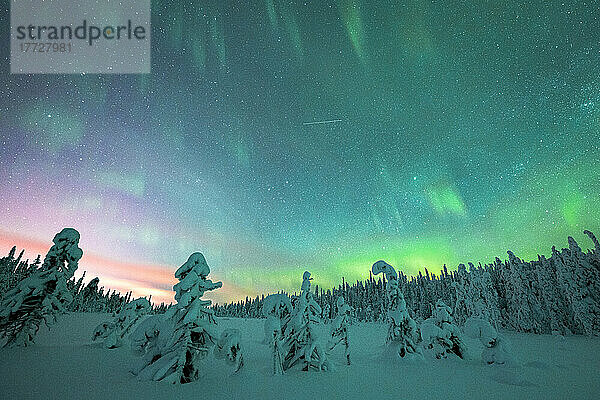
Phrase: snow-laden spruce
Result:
[42,296]
[113,333]
[89,296]
[144,340]
[496,348]
[229,348]
[475,295]
[176,344]
[440,334]
[326,311]
[277,308]
[581,280]
[402,332]
[300,336]
[339,328]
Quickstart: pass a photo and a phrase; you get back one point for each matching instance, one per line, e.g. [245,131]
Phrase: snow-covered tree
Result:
[229,348]
[43,295]
[13,270]
[402,330]
[584,289]
[475,295]
[461,288]
[326,311]
[404,335]
[187,331]
[339,328]
[496,348]
[301,342]
[552,299]
[592,237]
[440,334]
[114,332]
[517,305]
[89,296]
[144,340]
[277,308]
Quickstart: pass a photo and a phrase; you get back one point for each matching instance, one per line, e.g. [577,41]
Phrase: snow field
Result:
[65,364]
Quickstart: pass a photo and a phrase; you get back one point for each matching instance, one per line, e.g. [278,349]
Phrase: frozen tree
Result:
[186,333]
[300,341]
[518,311]
[581,281]
[402,331]
[475,295]
[277,308]
[461,288]
[144,339]
[533,298]
[43,295]
[114,332]
[496,349]
[326,311]
[552,299]
[595,241]
[90,296]
[404,335]
[578,281]
[13,270]
[339,328]
[440,334]
[229,348]
[305,287]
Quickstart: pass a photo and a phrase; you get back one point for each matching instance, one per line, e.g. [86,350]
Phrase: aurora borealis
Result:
[464,130]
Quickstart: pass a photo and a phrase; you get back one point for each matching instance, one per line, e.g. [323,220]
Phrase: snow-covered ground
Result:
[64,364]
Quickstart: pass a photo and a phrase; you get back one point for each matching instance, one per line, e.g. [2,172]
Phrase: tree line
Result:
[559,294]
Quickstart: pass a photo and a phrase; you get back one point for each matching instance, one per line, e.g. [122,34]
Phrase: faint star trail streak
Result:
[330,121]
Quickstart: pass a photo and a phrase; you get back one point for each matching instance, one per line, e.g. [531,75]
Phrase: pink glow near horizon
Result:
[142,279]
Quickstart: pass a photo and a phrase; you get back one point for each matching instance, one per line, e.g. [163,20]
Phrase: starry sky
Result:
[460,131]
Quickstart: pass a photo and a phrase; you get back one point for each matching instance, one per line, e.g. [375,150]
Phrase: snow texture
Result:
[63,365]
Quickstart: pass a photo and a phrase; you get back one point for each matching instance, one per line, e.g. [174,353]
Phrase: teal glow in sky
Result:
[464,130]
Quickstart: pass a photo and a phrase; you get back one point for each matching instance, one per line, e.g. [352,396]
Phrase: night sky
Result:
[460,131]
